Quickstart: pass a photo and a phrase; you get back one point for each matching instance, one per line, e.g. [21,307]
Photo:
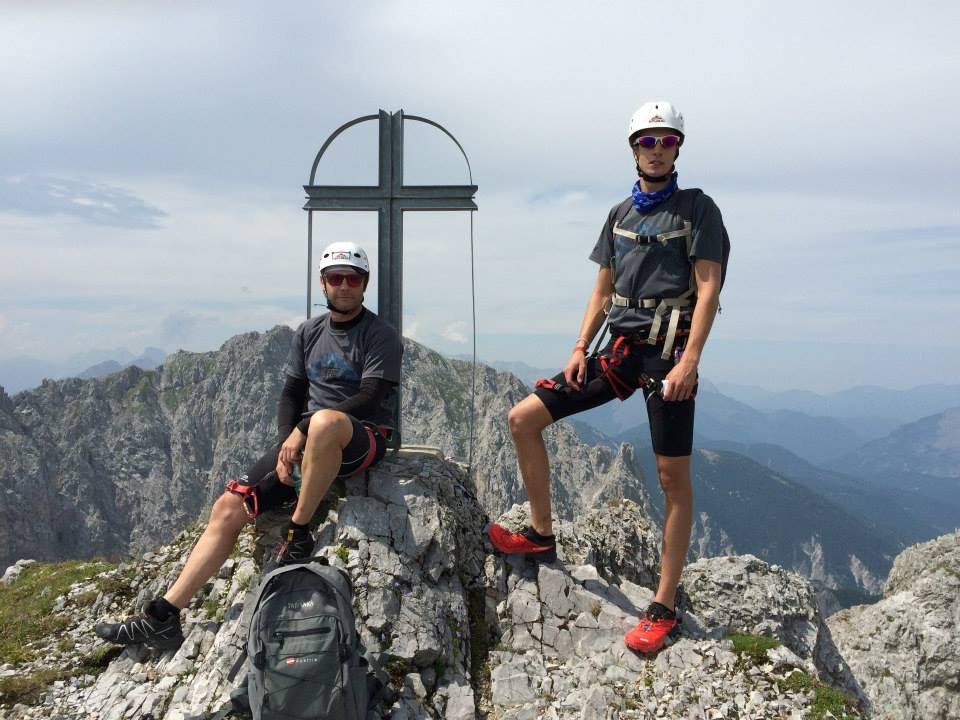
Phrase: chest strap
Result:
[684,232]
[660,306]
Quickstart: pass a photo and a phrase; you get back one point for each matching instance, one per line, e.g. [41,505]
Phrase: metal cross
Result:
[390,198]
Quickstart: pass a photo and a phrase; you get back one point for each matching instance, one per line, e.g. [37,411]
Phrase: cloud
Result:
[455,332]
[95,203]
[560,196]
[412,330]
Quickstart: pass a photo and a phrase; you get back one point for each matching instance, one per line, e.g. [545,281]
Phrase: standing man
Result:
[661,254]
[343,369]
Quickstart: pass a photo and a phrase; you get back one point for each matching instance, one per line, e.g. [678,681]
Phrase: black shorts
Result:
[271,493]
[671,423]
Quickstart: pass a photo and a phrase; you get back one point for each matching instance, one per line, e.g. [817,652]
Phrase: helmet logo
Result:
[655,118]
[340,255]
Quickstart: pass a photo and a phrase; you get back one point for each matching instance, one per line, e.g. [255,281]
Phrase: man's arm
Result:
[683,377]
[289,410]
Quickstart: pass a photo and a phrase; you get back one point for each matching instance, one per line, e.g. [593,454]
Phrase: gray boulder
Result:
[903,649]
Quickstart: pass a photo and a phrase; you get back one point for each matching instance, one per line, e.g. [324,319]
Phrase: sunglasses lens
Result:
[337,280]
[670,141]
[645,141]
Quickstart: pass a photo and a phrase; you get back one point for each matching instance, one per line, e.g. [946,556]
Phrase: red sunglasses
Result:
[336,280]
[648,142]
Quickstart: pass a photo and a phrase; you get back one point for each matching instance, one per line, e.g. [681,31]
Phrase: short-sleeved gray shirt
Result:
[334,361]
[655,270]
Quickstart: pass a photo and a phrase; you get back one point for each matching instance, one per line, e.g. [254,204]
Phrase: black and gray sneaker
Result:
[297,547]
[144,628]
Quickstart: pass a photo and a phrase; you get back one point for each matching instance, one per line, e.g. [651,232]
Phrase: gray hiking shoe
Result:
[144,628]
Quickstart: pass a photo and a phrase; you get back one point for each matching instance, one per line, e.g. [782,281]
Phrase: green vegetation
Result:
[213,610]
[825,699]
[753,648]
[343,552]
[120,586]
[397,669]
[26,606]
[949,569]
[27,688]
[139,397]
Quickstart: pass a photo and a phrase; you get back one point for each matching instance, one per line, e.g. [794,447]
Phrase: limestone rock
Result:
[903,649]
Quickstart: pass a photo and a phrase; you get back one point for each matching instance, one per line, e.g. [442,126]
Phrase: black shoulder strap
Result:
[622,210]
[688,198]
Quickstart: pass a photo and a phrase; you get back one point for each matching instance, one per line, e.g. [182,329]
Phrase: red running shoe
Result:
[528,542]
[649,635]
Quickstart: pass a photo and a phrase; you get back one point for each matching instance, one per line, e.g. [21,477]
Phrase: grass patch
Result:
[26,607]
[28,688]
[397,669]
[86,599]
[825,698]
[753,647]
[120,586]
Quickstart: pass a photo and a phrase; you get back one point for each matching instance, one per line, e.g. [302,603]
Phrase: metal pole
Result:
[309,261]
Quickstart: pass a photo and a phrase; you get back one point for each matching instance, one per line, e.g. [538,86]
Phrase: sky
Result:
[152,158]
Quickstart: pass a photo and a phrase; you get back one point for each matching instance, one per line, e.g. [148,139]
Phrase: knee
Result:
[522,421]
[674,476]
[228,513]
[329,424]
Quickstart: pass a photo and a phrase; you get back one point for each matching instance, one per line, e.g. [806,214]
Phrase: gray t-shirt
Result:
[655,270]
[334,361]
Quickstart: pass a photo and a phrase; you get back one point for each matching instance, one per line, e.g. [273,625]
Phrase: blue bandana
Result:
[645,202]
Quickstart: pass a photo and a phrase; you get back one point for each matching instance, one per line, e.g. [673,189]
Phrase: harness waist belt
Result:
[660,306]
[648,303]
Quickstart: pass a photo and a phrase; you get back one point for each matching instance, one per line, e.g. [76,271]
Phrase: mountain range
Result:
[22,373]
[114,465]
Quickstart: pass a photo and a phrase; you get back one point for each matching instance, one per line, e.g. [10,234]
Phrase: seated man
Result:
[344,367]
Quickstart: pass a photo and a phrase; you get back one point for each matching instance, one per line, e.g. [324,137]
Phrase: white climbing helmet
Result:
[344,253]
[656,114]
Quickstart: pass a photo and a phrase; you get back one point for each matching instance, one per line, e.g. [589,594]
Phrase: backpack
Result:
[688,198]
[668,308]
[306,659]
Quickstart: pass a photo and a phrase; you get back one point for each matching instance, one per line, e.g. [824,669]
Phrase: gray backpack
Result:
[306,660]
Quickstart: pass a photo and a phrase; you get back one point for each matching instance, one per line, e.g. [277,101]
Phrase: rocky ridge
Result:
[464,633]
[903,649]
[117,465]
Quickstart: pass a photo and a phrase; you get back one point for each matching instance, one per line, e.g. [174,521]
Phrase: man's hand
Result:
[681,381]
[576,370]
[291,452]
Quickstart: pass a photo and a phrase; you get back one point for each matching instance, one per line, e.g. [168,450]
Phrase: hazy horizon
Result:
[154,153]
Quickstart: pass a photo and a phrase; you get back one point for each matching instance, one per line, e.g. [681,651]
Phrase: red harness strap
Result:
[372,432]
[620,349]
[247,493]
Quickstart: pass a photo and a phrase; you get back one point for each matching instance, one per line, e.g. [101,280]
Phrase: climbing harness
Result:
[661,306]
[247,493]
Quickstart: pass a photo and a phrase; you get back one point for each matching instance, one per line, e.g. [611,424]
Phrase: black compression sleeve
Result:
[290,405]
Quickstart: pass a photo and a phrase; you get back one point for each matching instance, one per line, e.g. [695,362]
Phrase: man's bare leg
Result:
[330,432]
[227,519]
[677,524]
[527,419]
